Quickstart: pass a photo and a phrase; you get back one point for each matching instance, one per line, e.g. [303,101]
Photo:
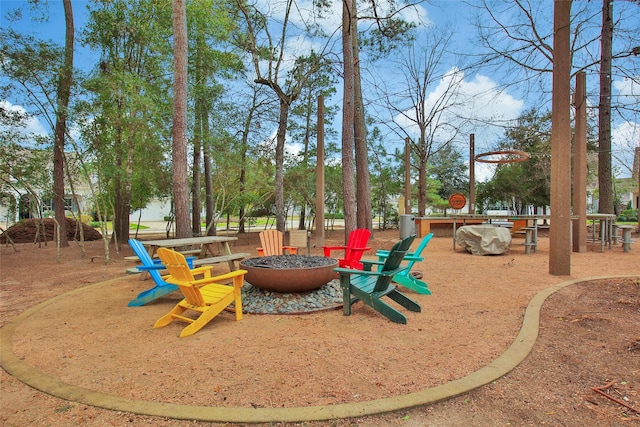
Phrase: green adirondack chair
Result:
[371,286]
[404,277]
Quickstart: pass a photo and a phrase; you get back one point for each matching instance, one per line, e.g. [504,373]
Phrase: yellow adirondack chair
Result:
[273,244]
[205,295]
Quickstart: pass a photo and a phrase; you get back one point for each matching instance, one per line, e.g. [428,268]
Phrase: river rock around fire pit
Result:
[258,301]
[289,273]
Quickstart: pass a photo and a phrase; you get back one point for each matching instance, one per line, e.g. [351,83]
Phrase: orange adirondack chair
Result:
[273,244]
[207,296]
[353,251]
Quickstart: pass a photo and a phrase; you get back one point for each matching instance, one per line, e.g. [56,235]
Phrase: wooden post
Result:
[407,176]
[560,222]
[320,175]
[580,166]
[472,174]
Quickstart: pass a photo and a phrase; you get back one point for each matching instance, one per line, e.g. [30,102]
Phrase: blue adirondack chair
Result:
[404,277]
[370,286]
[154,267]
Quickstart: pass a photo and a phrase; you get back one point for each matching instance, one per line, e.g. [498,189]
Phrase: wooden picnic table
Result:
[205,251]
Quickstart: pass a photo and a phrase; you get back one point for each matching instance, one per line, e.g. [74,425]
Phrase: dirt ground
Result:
[589,338]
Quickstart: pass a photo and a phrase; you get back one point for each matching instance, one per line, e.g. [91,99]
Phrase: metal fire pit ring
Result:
[289,273]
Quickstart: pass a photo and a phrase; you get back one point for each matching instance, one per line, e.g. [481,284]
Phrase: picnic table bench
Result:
[204,247]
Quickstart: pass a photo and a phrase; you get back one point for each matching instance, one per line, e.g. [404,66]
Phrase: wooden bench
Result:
[222,258]
[187,252]
[202,261]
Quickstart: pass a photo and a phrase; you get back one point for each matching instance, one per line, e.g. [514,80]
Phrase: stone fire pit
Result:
[289,273]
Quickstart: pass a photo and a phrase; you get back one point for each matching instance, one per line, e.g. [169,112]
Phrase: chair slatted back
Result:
[181,275]
[396,254]
[145,259]
[358,238]
[272,242]
[418,252]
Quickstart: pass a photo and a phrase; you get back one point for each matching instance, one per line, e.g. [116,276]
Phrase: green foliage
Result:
[628,215]
[31,66]
[388,34]
[449,168]
[334,215]
[23,167]
[519,184]
[386,180]
[128,117]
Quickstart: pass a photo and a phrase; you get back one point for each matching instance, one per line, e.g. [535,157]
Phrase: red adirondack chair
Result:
[353,251]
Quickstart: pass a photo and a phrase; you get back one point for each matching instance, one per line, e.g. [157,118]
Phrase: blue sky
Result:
[485,97]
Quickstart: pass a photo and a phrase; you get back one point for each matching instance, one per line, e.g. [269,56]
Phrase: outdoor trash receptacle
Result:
[407,225]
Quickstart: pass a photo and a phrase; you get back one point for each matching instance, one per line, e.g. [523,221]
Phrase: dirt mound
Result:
[25,231]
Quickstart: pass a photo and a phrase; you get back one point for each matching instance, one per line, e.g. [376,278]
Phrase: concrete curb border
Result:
[511,358]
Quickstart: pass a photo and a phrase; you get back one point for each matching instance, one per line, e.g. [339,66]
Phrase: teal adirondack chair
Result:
[154,267]
[404,277]
[371,286]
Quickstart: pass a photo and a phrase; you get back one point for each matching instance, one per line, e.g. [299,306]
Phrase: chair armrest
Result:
[349,271]
[360,249]
[260,251]
[293,250]
[385,254]
[151,267]
[158,265]
[205,270]
[220,278]
[327,249]
[368,264]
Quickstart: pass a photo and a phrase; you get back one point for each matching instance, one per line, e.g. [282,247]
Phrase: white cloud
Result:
[486,102]
[478,107]
[628,88]
[624,138]
[32,124]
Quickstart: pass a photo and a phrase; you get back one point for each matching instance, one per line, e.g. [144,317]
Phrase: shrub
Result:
[628,215]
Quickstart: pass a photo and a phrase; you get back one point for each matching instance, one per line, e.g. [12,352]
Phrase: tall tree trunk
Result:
[64,93]
[195,184]
[605,179]
[179,149]
[242,213]
[280,139]
[208,176]
[364,219]
[199,108]
[122,189]
[348,116]
[243,161]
